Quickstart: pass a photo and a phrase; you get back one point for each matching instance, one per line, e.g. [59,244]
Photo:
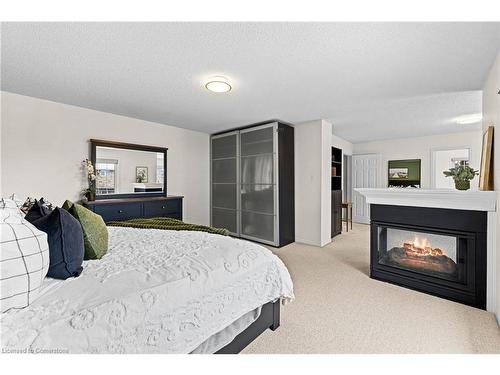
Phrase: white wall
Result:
[326,182]
[312,182]
[491,117]
[346,146]
[313,197]
[308,182]
[44,142]
[420,148]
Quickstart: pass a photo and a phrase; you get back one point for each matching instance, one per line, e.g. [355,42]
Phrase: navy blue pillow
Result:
[65,237]
[37,211]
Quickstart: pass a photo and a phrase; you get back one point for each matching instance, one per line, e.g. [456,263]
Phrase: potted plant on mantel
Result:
[89,192]
[462,175]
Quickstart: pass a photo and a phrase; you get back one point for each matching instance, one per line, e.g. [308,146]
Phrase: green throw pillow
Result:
[67,205]
[95,232]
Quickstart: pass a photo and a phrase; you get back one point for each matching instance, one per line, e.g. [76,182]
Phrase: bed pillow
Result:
[10,210]
[24,258]
[37,211]
[67,205]
[95,232]
[65,237]
[26,206]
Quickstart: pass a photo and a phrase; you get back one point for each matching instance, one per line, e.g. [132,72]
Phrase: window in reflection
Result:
[106,170]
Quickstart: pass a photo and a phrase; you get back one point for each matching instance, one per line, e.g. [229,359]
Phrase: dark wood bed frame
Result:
[269,318]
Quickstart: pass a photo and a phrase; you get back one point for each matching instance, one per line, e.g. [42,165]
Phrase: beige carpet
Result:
[339,309]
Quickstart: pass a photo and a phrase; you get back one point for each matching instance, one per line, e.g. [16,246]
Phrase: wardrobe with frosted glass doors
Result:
[252,182]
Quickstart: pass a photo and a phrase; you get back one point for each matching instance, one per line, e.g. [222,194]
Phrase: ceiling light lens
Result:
[469,119]
[218,84]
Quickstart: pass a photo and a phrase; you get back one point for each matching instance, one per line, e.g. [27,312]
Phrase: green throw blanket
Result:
[165,223]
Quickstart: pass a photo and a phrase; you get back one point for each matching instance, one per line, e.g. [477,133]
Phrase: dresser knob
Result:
[120,211]
[163,207]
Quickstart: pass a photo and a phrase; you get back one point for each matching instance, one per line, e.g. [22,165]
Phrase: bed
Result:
[157,291]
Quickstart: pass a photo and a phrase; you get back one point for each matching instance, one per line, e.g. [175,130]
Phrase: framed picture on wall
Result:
[404,173]
[141,174]
[398,173]
[485,172]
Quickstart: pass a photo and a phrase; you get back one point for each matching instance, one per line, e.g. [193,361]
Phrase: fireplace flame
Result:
[421,247]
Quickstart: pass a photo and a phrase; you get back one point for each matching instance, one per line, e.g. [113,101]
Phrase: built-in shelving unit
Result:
[336,168]
[336,186]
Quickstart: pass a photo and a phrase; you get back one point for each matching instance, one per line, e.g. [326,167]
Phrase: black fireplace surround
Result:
[433,250]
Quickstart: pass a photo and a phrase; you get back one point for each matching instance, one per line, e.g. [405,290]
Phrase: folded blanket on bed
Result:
[167,223]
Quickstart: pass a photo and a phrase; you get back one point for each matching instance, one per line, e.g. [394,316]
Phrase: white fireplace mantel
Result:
[436,198]
[453,199]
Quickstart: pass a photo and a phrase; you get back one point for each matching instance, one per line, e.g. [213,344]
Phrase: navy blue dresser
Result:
[131,208]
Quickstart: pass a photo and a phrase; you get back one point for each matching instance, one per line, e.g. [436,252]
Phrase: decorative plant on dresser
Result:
[89,192]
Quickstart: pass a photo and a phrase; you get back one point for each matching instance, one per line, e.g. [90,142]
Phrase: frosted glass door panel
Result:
[257,169]
[224,171]
[224,195]
[257,225]
[224,147]
[222,218]
[257,142]
[258,198]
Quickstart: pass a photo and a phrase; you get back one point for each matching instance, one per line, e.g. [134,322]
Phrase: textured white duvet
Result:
[155,291]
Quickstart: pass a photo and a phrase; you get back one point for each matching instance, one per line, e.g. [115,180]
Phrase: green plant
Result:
[461,173]
[90,190]
[88,167]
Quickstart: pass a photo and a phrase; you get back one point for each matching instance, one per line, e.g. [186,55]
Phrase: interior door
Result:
[365,173]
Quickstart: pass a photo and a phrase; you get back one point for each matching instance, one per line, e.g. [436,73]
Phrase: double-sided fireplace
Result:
[432,250]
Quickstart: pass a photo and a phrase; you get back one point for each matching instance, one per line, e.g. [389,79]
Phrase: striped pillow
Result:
[24,258]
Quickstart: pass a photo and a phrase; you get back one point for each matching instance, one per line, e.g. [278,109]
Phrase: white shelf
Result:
[437,198]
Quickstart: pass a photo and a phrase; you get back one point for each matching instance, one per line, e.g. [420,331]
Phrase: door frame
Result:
[378,179]
[433,159]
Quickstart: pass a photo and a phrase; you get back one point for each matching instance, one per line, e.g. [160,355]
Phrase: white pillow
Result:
[24,258]
[10,210]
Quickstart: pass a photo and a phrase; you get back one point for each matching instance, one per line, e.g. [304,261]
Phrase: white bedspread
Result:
[155,291]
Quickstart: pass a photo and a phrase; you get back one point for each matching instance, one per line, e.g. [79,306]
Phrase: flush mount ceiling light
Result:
[218,84]
[469,119]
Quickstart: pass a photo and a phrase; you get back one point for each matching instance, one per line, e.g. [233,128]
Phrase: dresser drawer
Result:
[119,211]
[170,208]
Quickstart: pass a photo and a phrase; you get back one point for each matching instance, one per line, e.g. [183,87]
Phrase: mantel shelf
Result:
[439,198]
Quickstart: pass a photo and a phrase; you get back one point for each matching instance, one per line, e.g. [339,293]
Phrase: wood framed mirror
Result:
[126,170]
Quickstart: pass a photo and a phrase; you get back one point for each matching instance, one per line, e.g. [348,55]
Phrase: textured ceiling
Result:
[371,80]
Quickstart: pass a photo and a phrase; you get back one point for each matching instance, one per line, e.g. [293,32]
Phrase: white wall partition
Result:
[308,182]
[491,117]
[312,182]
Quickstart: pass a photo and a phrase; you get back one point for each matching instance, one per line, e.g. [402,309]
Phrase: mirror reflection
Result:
[125,171]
